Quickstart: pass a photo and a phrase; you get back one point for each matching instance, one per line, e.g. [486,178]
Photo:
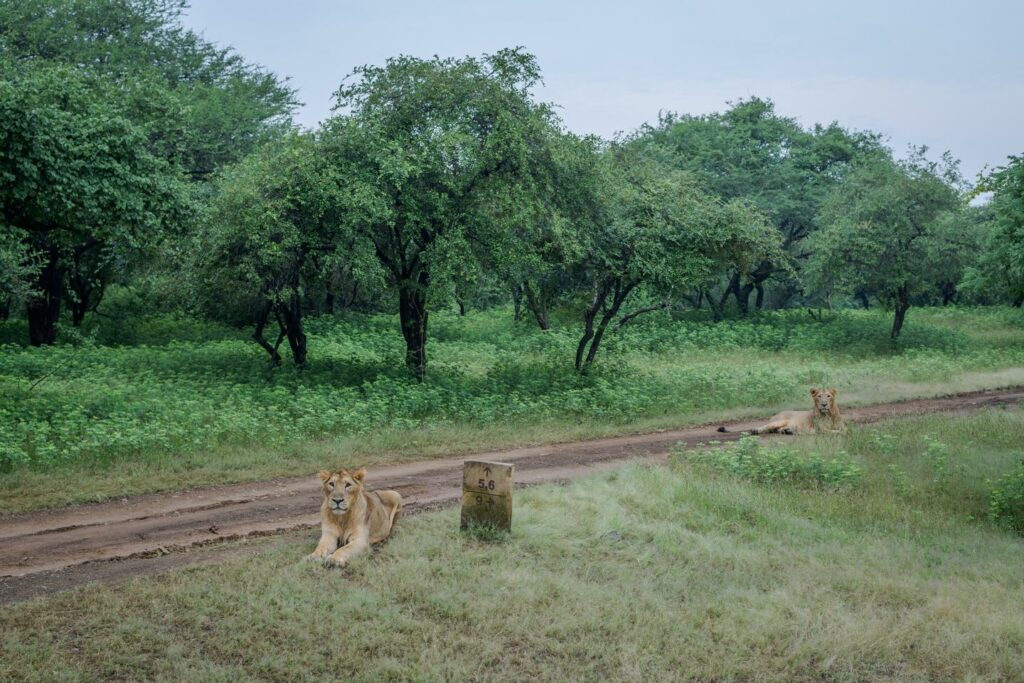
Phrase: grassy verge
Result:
[188,403]
[686,572]
[27,489]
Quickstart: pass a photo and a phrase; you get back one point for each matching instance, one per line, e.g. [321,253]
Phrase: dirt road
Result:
[59,549]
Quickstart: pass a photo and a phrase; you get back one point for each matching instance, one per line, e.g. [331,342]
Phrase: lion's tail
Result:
[724,430]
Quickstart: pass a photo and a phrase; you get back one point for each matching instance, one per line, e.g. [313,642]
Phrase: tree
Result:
[656,228]
[75,171]
[192,104]
[785,171]
[953,250]
[543,225]
[200,105]
[423,144]
[999,271]
[883,230]
[272,233]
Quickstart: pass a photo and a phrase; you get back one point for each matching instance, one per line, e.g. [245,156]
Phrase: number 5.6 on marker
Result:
[487,494]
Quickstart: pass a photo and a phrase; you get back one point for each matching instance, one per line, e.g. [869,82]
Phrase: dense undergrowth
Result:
[172,384]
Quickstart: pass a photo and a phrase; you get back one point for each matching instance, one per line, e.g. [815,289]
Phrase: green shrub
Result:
[938,456]
[748,458]
[1006,500]
[166,384]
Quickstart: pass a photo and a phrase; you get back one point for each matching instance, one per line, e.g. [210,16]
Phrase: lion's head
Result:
[341,488]
[825,401]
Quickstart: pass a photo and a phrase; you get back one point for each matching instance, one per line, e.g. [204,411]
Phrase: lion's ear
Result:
[324,475]
[359,474]
[814,392]
[832,391]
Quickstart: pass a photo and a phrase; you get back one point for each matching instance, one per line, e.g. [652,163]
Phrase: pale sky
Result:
[948,75]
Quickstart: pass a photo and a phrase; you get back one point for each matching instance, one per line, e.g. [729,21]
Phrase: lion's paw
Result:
[332,561]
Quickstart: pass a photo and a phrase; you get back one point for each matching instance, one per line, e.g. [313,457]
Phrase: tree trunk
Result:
[462,306]
[1018,302]
[743,299]
[948,291]
[537,306]
[412,312]
[352,297]
[261,323]
[600,294]
[292,316]
[620,296]
[329,302]
[733,289]
[594,337]
[43,309]
[87,297]
[5,309]
[755,281]
[864,300]
[902,305]
[77,313]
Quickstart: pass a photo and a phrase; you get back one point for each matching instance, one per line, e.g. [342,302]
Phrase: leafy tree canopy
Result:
[425,144]
[75,172]
[274,229]
[885,229]
[200,104]
[782,169]
[999,272]
[656,227]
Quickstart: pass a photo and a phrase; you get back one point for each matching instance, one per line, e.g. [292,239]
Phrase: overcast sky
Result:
[948,75]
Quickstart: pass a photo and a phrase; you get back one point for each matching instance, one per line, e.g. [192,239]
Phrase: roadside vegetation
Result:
[191,402]
[680,572]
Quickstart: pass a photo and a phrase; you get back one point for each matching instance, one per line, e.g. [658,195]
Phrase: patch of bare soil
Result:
[41,552]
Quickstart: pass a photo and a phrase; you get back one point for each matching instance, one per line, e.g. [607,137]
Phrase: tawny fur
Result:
[796,421]
[351,519]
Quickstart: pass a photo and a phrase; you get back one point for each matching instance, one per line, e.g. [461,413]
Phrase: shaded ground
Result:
[43,552]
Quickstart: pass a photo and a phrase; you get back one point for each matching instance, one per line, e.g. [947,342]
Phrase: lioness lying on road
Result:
[796,421]
[351,518]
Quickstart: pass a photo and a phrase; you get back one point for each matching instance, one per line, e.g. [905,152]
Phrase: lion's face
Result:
[341,488]
[824,400]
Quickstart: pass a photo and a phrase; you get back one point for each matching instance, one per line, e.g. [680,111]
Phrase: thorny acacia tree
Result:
[192,104]
[543,221]
[999,271]
[884,231]
[77,176]
[274,229]
[785,171]
[656,228]
[422,144]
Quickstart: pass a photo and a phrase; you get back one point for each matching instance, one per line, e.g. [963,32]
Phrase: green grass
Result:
[178,402]
[683,572]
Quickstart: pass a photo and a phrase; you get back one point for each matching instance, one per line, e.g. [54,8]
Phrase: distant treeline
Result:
[135,153]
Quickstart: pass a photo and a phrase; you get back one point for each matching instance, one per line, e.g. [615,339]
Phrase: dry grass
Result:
[672,573]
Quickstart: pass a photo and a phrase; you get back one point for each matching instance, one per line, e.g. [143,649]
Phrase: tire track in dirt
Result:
[41,552]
